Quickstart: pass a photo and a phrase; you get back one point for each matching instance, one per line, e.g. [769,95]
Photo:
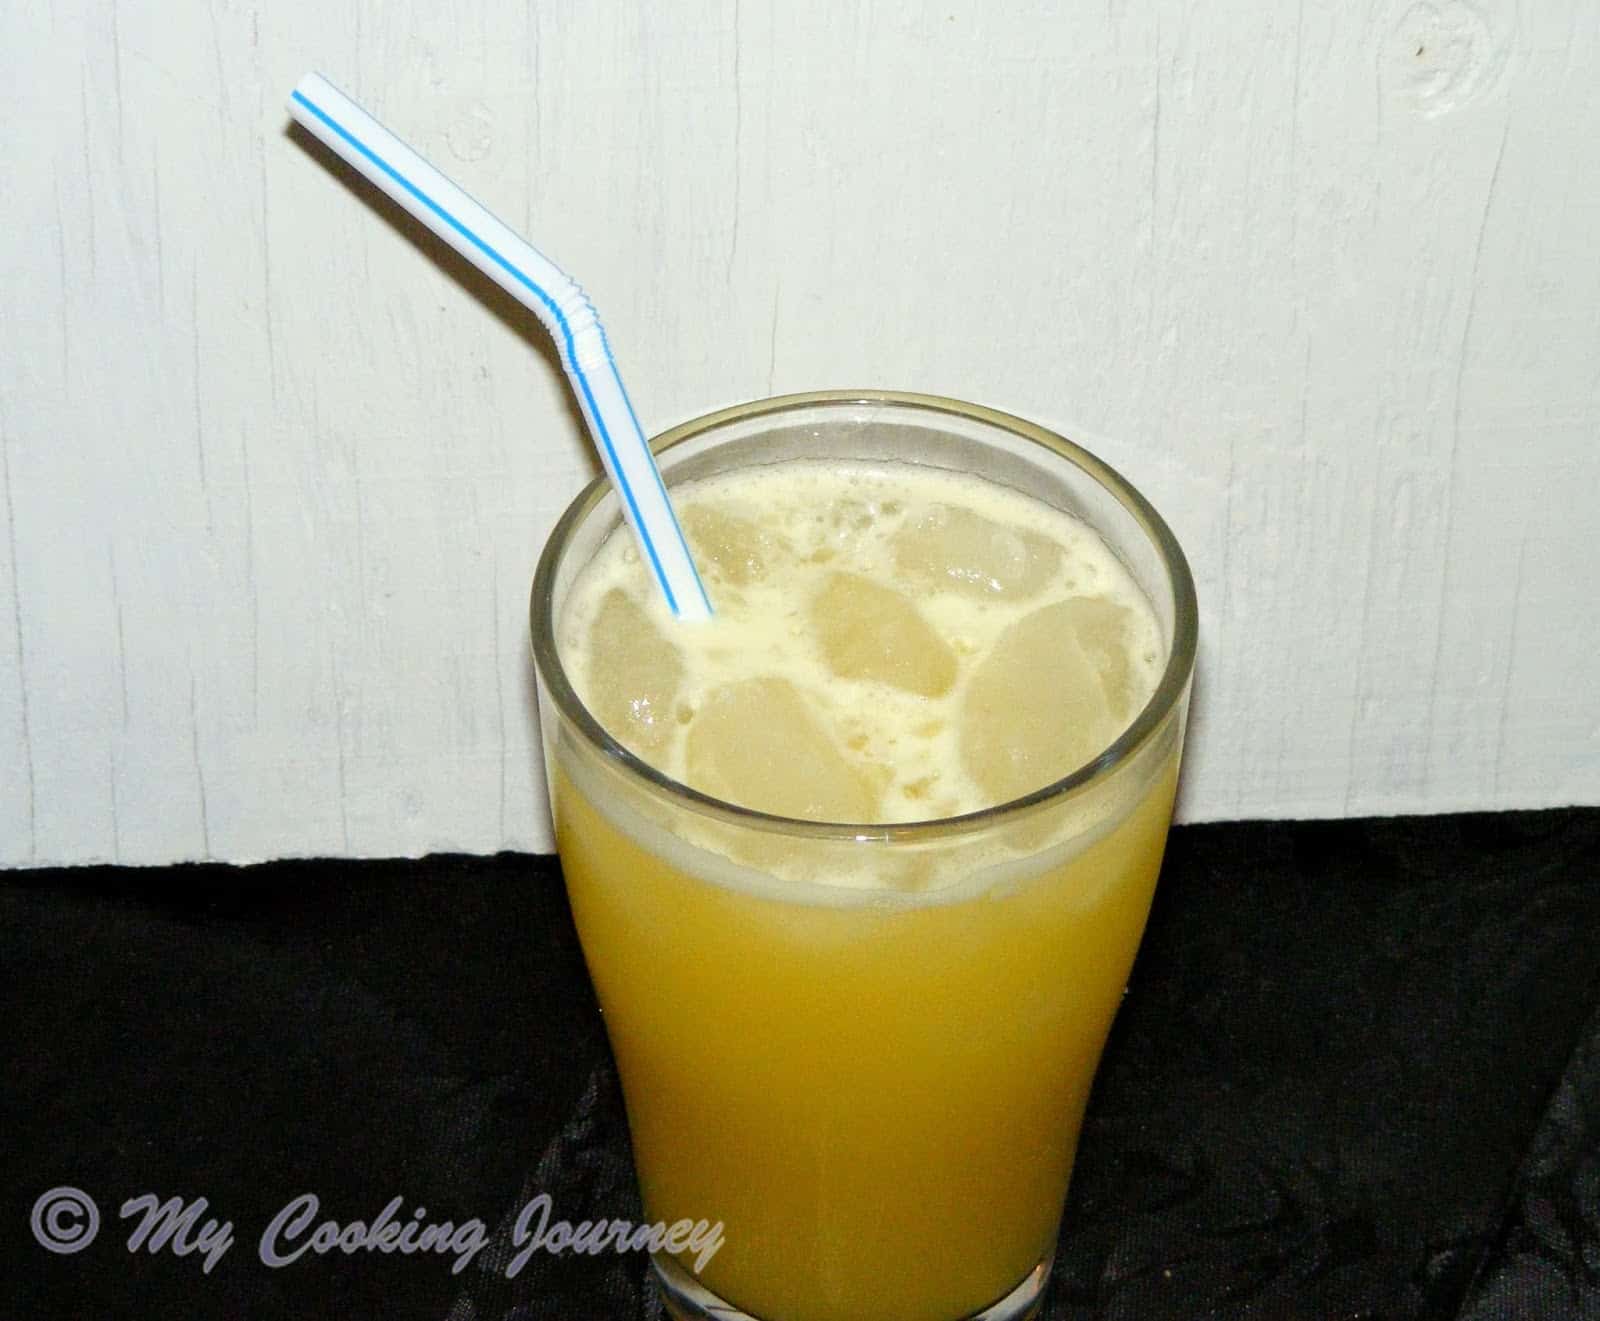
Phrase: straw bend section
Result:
[536,282]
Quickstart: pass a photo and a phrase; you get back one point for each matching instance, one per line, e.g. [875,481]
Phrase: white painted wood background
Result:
[1322,278]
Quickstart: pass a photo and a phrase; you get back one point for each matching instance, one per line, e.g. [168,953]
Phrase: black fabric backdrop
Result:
[1357,1074]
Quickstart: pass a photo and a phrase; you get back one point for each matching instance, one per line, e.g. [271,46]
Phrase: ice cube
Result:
[757,743]
[868,631]
[634,675]
[1104,631]
[959,550]
[1035,708]
[728,547]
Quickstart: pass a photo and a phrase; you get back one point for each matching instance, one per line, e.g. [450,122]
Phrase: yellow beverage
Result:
[866,1049]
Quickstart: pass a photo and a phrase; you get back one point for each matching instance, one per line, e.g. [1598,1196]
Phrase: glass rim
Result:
[1175,676]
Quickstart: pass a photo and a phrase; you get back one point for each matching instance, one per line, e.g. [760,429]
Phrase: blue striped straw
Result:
[553,296]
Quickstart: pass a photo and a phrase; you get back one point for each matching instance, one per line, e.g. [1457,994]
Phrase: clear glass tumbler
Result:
[877,1092]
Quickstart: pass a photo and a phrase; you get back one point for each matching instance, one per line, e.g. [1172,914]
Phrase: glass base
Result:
[689,1300]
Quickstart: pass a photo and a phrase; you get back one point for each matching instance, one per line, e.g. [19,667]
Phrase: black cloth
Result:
[1356,1074]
